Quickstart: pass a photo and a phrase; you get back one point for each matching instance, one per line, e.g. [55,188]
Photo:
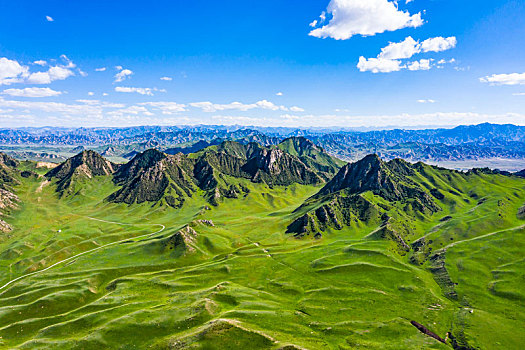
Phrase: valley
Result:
[245,246]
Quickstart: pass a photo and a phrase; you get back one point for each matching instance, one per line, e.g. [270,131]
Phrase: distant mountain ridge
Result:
[463,143]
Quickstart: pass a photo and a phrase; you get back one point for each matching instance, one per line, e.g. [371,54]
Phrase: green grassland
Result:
[244,283]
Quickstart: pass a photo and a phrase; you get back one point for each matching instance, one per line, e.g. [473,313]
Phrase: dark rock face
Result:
[426,331]
[153,176]
[7,171]
[313,156]
[342,201]
[520,173]
[8,178]
[87,164]
[137,165]
[8,161]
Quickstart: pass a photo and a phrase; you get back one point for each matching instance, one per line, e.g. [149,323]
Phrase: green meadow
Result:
[241,282]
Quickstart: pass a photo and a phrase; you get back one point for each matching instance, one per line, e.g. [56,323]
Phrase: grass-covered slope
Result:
[229,277]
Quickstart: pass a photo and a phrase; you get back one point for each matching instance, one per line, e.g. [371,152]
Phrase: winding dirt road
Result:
[162,228]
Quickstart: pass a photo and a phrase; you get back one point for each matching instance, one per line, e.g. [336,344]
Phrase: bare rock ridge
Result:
[8,178]
[153,176]
[349,198]
[84,165]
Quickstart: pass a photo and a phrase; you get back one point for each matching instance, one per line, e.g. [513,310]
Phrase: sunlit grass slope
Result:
[228,277]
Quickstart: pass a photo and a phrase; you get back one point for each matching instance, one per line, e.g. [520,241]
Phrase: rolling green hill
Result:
[240,246]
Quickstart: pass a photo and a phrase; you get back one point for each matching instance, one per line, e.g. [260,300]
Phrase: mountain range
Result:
[463,143]
[277,246]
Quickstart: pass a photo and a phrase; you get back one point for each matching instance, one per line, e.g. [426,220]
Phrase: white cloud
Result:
[123,75]
[91,93]
[410,47]
[370,17]
[54,73]
[32,92]
[404,49]
[279,94]
[166,107]
[49,19]
[389,58]
[101,69]
[70,63]
[166,78]
[504,79]
[420,65]
[296,109]
[313,24]
[11,71]
[519,94]
[142,91]
[426,101]
[439,44]
[40,63]
[379,65]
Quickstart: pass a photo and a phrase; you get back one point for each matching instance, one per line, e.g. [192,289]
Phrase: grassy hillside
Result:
[229,277]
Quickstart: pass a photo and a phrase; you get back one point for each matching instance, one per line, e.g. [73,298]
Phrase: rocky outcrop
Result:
[153,176]
[366,192]
[85,165]
[8,179]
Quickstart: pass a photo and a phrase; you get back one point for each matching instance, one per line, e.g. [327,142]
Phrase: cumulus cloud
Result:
[404,49]
[410,47]
[504,79]
[123,75]
[142,91]
[370,17]
[49,19]
[11,71]
[389,60]
[101,69]
[420,65]
[32,92]
[40,63]
[54,73]
[279,94]
[438,44]
[379,65]
[166,78]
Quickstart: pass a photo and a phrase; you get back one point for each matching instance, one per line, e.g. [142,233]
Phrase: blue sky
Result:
[348,63]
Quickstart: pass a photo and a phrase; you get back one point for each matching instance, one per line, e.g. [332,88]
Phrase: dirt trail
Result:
[42,185]
[162,228]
